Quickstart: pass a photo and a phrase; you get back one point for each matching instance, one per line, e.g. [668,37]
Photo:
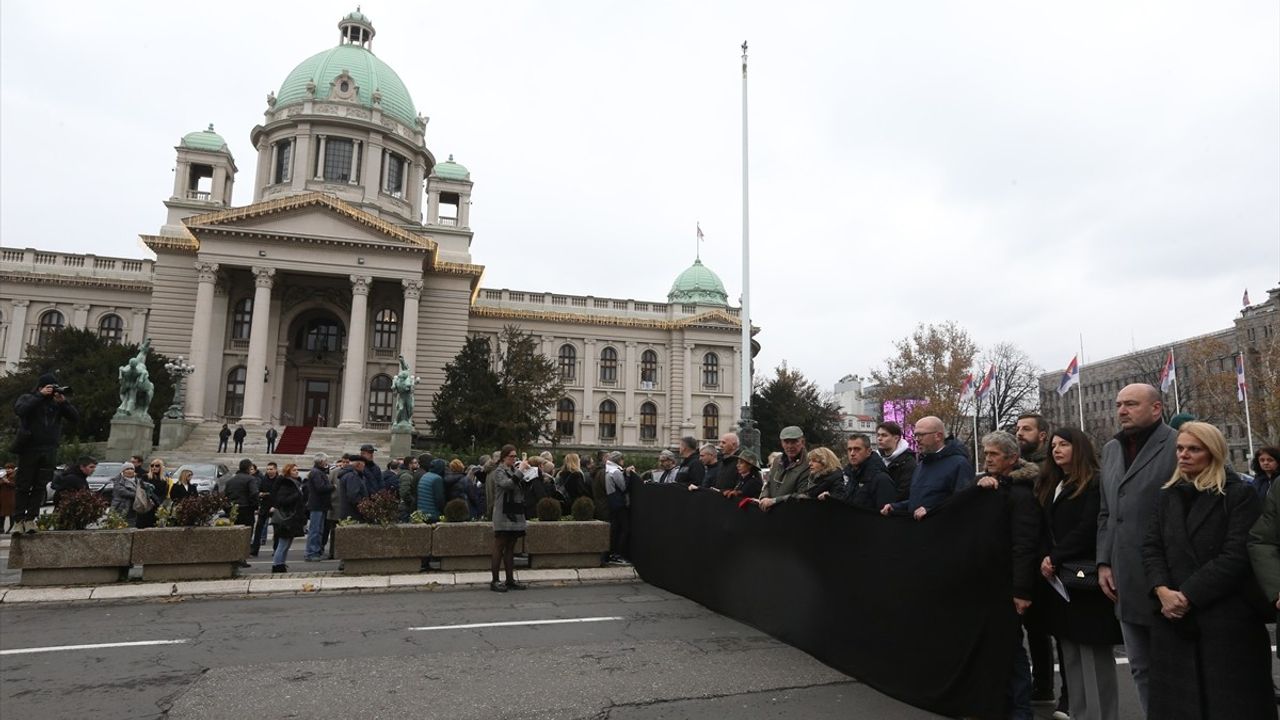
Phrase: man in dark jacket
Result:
[691,471]
[319,498]
[727,477]
[1032,432]
[266,491]
[40,415]
[223,436]
[242,489]
[272,434]
[372,473]
[898,459]
[73,478]
[239,436]
[943,470]
[1015,480]
[709,457]
[867,484]
[353,483]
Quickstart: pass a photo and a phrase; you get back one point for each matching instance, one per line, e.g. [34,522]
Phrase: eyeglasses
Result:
[157,465]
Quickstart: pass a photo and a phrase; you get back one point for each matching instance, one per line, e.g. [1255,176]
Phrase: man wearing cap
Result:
[40,415]
[790,469]
[372,473]
[354,485]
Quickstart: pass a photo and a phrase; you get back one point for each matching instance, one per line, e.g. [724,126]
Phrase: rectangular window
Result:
[337,159]
[396,166]
[284,161]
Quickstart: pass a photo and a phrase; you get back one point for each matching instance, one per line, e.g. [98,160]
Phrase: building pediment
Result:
[311,218]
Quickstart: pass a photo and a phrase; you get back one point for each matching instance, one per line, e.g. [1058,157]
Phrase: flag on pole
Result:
[1246,297]
[1168,373]
[1070,377]
[988,382]
[1240,383]
[699,225]
[966,388]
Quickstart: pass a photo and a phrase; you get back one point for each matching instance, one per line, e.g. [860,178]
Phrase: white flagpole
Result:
[1080,383]
[1177,403]
[748,434]
[977,453]
[1248,424]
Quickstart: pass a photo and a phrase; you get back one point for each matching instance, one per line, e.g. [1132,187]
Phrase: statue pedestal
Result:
[174,432]
[401,442]
[129,436]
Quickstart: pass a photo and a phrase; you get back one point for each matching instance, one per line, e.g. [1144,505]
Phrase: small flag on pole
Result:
[988,382]
[966,388]
[1241,386]
[1070,377]
[1168,373]
[1246,297]
[700,232]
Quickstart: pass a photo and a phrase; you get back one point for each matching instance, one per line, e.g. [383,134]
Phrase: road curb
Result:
[267,586]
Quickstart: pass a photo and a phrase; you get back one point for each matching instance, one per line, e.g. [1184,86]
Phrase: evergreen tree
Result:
[469,400]
[789,398]
[530,384]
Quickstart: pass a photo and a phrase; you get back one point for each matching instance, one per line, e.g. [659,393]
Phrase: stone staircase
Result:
[202,446]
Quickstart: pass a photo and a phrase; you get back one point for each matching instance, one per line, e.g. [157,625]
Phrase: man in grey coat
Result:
[1135,463]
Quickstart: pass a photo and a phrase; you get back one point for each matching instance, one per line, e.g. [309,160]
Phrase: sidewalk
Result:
[304,584]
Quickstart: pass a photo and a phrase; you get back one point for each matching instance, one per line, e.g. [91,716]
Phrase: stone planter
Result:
[190,553]
[567,543]
[72,557]
[465,545]
[382,549]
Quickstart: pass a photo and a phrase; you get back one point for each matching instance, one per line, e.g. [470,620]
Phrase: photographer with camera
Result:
[40,415]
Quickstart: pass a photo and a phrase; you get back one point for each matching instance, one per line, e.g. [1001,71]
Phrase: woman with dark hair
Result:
[288,515]
[1085,626]
[1210,650]
[750,482]
[509,484]
[1266,469]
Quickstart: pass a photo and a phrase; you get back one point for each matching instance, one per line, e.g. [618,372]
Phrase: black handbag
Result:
[1078,575]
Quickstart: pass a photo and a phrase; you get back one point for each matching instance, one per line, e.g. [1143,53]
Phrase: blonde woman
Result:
[182,489]
[1210,651]
[824,474]
[573,480]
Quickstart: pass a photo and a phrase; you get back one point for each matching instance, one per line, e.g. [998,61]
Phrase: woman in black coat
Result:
[1210,651]
[1086,627]
[574,481]
[182,487]
[288,516]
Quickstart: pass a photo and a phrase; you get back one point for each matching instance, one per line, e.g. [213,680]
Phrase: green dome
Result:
[698,285]
[450,170]
[205,140]
[357,16]
[365,68]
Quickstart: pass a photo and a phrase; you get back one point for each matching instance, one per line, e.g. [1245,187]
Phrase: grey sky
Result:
[1029,170]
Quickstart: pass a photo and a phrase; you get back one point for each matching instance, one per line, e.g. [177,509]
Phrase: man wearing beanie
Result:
[40,415]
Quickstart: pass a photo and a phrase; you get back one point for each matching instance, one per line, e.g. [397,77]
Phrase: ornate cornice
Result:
[612,320]
[456,268]
[164,242]
[143,285]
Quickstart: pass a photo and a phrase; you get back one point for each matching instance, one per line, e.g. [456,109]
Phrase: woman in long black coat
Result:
[1086,627]
[289,515]
[1210,651]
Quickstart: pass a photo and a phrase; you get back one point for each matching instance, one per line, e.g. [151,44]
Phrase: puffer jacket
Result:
[869,485]
[938,476]
[431,497]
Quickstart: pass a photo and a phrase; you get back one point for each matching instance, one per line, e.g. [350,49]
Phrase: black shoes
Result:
[513,585]
[497,586]
[279,568]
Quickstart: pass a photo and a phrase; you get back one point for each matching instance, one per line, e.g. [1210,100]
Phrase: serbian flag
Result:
[1245,300]
[1168,373]
[1240,383]
[988,382]
[1070,376]
[966,388]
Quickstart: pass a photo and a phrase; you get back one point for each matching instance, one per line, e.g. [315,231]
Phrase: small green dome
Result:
[205,140]
[698,285]
[357,16]
[450,170]
[365,68]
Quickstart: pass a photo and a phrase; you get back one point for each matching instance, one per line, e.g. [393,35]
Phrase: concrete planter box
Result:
[190,553]
[567,543]
[72,557]
[382,549]
[465,545]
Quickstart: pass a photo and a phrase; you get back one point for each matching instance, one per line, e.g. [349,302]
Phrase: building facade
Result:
[355,251]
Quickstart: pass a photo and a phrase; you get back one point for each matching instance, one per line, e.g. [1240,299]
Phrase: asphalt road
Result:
[358,655]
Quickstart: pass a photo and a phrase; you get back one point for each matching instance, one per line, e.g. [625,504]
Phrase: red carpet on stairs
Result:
[294,439]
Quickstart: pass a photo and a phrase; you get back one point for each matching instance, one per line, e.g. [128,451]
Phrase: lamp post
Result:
[178,369]
[748,436]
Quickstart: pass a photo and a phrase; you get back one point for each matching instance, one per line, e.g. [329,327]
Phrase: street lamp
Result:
[178,369]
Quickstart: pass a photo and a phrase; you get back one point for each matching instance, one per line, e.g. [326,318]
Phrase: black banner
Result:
[920,611]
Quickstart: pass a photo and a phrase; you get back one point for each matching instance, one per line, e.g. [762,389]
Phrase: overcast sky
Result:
[1030,170]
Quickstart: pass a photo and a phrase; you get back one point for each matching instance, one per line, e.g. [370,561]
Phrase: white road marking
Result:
[515,623]
[60,648]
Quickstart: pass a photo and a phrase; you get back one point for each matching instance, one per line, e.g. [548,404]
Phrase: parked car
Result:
[207,477]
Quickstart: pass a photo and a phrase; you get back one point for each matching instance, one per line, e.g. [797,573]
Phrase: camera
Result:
[62,389]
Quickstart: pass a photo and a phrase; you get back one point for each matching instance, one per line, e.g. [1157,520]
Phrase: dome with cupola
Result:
[206,140]
[698,285]
[450,170]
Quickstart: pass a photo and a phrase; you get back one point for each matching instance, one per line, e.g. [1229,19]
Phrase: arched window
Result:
[710,422]
[648,421]
[711,370]
[564,417]
[380,399]
[234,405]
[242,319]
[386,329]
[50,322]
[608,366]
[568,363]
[111,328]
[648,370]
[608,420]
[319,334]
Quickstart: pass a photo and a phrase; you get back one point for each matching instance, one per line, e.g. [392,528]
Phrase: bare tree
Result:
[930,365]
[1016,388]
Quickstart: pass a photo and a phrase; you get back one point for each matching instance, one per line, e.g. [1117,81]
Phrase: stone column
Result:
[631,380]
[464,210]
[301,157]
[320,160]
[690,377]
[17,331]
[409,321]
[357,342]
[588,378]
[433,205]
[217,192]
[256,365]
[201,327]
[80,316]
[138,326]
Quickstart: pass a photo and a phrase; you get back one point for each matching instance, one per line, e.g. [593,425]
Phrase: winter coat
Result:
[69,480]
[692,471]
[509,488]
[1264,545]
[373,477]
[122,496]
[42,417]
[431,496]
[869,485]
[455,485]
[224,434]
[1216,661]
[537,489]
[749,486]
[287,499]
[1018,489]
[901,466]
[1071,535]
[727,476]
[783,482]
[354,487]
[615,486]
[600,495]
[575,486]
[239,435]
[242,489]
[938,476]
[475,496]
[1128,502]
[815,486]
[266,493]
[319,490]
[179,492]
